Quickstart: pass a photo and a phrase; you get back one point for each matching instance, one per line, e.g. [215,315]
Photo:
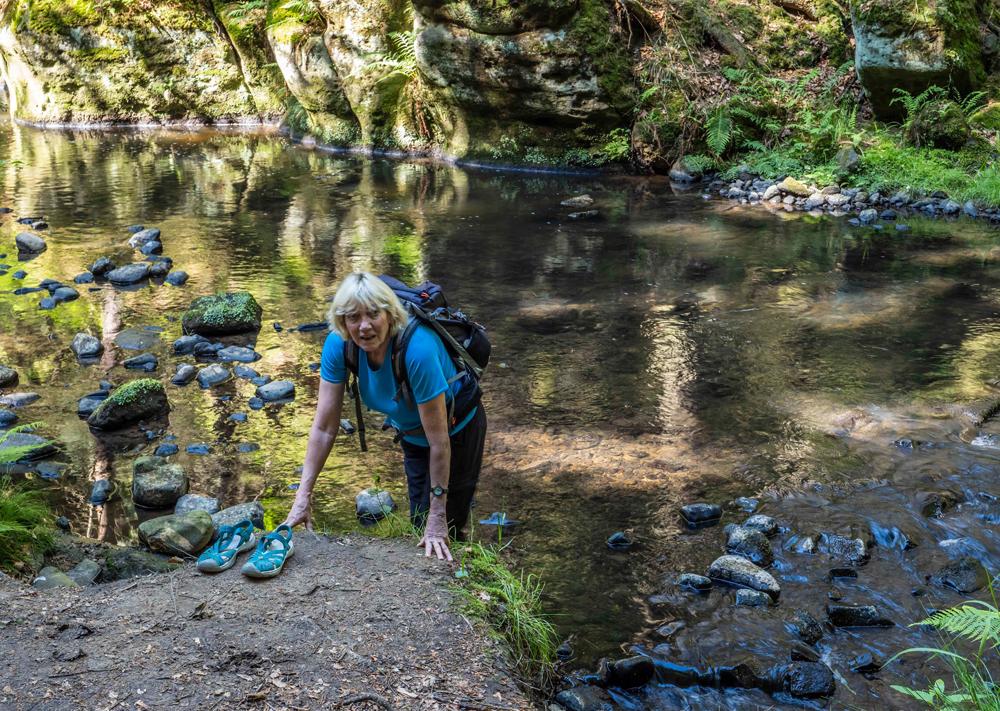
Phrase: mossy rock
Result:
[122,563]
[939,124]
[221,314]
[912,46]
[183,534]
[136,400]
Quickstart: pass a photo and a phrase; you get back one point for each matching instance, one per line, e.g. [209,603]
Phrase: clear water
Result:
[675,350]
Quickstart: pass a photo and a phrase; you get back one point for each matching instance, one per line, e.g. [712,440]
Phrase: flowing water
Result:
[674,350]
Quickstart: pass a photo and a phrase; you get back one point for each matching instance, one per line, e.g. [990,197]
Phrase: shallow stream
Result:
[675,350]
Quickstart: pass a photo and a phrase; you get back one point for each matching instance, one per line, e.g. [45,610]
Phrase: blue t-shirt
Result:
[428,366]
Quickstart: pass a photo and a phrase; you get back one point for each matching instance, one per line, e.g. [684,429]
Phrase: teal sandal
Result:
[232,541]
[273,550]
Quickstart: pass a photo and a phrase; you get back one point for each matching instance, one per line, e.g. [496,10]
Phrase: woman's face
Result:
[369,329]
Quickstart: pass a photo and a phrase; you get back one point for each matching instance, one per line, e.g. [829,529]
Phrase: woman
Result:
[441,462]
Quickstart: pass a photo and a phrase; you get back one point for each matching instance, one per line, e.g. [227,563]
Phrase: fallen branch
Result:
[358,698]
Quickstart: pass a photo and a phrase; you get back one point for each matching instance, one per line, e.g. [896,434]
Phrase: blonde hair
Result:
[365,291]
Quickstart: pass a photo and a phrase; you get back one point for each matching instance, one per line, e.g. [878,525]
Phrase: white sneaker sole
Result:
[251,572]
[209,566]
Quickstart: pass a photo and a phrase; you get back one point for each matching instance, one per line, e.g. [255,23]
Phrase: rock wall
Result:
[536,81]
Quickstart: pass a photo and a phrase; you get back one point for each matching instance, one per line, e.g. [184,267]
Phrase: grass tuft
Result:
[26,523]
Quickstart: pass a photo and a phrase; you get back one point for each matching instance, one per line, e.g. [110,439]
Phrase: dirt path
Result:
[352,622]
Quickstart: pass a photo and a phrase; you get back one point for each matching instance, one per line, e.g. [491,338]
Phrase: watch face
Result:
[437,491]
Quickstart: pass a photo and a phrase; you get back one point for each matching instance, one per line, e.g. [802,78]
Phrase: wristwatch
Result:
[439,491]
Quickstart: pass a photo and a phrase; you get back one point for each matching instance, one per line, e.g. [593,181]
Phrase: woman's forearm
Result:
[317,450]
[440,473]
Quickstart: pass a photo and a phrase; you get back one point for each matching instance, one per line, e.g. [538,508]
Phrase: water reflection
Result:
[673,350]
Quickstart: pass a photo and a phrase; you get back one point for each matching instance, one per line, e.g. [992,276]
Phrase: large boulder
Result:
[157,483]
[250,511]
[184,534]
[234,312]
[29,243]
[136,400]
[912,46]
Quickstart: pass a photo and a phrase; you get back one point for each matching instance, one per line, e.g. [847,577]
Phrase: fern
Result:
[699,163]
[244,9]
[975,620]
[973,102]
[720,130]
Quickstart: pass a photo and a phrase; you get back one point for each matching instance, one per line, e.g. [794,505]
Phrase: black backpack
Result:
[464,339]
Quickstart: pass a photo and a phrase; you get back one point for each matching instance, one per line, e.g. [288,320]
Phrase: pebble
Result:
[856,616]
[238,417]
[277,390]
[701,514]
[752,598]
[692,581]
[144,361]
[200,449]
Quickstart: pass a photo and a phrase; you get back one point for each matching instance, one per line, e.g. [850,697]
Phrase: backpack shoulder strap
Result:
[399,345]
[351,363]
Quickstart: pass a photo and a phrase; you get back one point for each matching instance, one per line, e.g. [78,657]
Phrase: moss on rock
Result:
[233,312]
[939,124]
[140,399]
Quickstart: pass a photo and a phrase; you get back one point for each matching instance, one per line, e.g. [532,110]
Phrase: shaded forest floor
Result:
[351,622]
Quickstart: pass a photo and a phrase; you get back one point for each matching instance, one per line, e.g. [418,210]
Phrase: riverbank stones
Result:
[157,483]
[630,673]
[856,616]
[251,511]
[167,449]
[100,491]
[64,294]
[807,680]
[372,505]
[8,377]
[145,361]
[184,375]
[701,514]
[101,266]
[36,447]
[850,550]
[129,273]
[7,418]
[178,534]
[86,405]
[965,575]
[86,346]
[144,237]
[28,243]
[695,582]
[221,314]
[752,598]
[585,698]
[178,278]
[277,390]
[750,544]
[738,571]
[83,278]
[85,572]
[803,625]
[212,375]
[765,524]
[238,354]
[136,400]
[185,345]
[196,502]
[16,400]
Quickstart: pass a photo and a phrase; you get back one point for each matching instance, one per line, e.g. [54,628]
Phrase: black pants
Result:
[466,461]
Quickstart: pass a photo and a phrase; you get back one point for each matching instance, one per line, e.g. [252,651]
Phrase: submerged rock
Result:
[183,534]
[185,345]
[144,237]
[16,400]
[856,616]
[156,483]
[143,361]
[86,405]
[64,294]
[692,581]
[630,673]
[101,266]
[803,625]
[32,446]
[238,354]
[765,524]
[178,278]
[806,680]
[134,401]
[100,492]
[7,418]
[235,312]
[965,575]
[752,598]
[849,550]
[585,698]
[736,570]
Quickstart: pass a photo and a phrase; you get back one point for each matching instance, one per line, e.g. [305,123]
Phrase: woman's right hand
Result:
[301,513]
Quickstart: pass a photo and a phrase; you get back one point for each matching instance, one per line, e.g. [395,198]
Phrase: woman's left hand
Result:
[435,538]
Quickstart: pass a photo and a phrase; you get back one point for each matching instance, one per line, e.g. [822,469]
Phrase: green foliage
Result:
[912,104]
[720,131]
[26,523]
[618,146]
[401,59]
[241,11]
[974,621]
[512,605]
